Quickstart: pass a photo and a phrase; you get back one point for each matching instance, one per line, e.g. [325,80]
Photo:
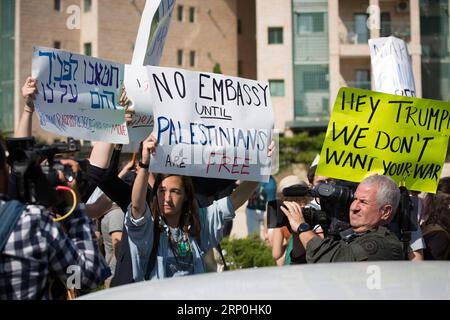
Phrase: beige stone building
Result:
[305,49]
[203,35]
[308,49]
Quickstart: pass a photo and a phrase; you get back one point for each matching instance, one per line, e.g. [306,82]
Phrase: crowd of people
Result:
[132,225]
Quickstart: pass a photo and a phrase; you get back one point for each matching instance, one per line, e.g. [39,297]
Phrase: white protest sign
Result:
[152,32]
[150,42]
[391,66]
[79,95]
[210,125]
[137,86]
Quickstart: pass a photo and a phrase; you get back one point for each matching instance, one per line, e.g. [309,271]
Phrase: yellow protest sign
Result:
[370,132]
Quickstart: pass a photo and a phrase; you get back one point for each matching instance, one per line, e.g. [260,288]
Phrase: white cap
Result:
[288,182]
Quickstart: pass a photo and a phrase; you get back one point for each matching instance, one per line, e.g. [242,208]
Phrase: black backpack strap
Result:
[124,270]
[152,259]
[9,215]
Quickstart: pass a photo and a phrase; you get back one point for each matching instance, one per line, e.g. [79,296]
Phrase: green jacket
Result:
[375,244]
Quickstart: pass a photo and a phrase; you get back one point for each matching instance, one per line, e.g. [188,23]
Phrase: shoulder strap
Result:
[124,270]
[152,259]
[9,215]
[430,228]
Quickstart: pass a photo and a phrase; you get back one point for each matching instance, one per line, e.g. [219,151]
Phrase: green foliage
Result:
[217,68]
[247,253]
[301,148]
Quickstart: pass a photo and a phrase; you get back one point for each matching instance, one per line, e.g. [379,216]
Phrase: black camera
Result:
[277,219]
[30,183]
[335,201]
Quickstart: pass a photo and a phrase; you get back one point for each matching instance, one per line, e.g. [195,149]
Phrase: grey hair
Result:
[388,192]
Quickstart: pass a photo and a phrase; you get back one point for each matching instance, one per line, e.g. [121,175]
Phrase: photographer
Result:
[376,199]
[35,250]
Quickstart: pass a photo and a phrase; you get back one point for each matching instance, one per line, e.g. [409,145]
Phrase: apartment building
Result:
[203,35]
[308,49]
[305,49]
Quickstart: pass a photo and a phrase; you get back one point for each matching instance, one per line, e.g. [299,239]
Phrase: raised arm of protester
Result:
[29,91]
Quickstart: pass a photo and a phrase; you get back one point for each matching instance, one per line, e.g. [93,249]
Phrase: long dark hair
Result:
[436,210]
[190,220]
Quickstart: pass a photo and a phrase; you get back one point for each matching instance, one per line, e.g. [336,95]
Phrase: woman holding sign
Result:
[168,233]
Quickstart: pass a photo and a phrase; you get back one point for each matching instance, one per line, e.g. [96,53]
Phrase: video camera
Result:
[335,201]
[33,183]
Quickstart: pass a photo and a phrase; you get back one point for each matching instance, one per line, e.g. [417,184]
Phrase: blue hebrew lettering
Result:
[61,67]
[107,75]
[74,97]
[65,93]
[84,70]
[50,100]
[112,99]
[43,91]
[92,81]
[104,98]
[98,73]
[73,61]
[95,105]
[112,76]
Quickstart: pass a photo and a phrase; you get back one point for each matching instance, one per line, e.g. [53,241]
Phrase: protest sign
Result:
[79,95]
[210,125]
[152,32]
[372,132]
[391,66]
[150,41]
[137,86]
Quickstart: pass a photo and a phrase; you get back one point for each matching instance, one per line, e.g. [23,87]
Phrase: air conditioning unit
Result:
[402,6]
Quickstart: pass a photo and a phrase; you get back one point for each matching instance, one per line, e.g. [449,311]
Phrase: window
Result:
[315,80]
[180,57]
[362,77]
[192,58]
[88,49]
[312,22]
[57,5]
[361,30]
[385,24]
[276,88]
[57,44]
[191,14]
[276,35]
[180,13]
[87,5]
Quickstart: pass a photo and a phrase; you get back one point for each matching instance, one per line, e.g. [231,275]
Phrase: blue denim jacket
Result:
[140,235]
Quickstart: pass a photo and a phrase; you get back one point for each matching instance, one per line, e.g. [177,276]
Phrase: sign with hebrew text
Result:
[79,95]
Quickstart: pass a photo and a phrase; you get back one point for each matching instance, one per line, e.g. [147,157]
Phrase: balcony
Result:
[357,33]
[353,33]
[399,29]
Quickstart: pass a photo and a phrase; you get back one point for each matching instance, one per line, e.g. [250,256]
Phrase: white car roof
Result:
[385,280]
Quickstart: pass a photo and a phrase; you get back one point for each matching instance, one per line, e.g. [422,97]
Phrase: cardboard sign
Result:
[210,125]
[391,66]
[152,32]
[79,95]
[372,132]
